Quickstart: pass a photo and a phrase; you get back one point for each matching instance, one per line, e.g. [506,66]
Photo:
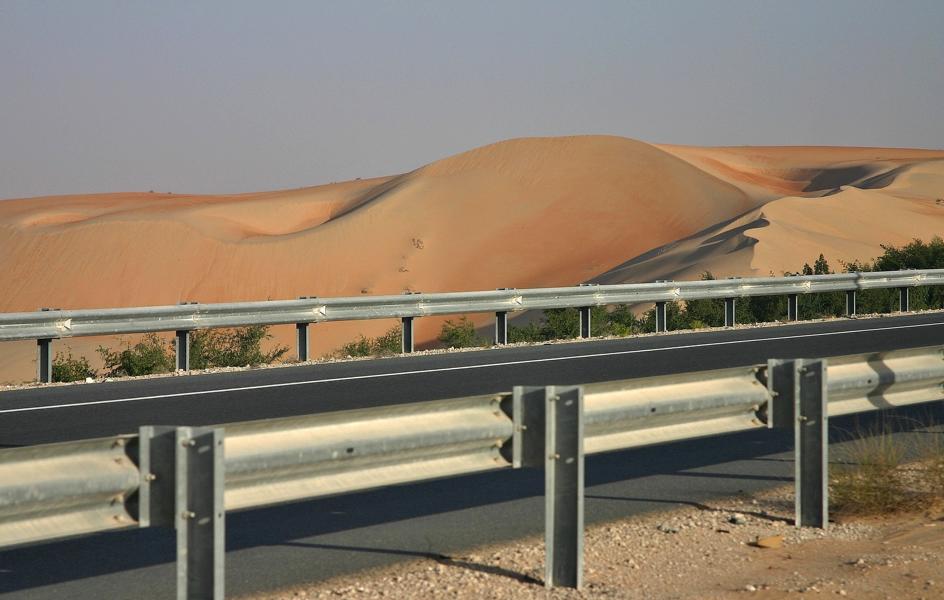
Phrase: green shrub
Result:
[525,333]
[460,334]
[238,347]
[150,355]
[359,347]
[67,368]
[387,344]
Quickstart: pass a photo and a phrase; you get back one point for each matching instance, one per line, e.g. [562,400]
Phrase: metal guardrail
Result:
[188,477]
[46,325]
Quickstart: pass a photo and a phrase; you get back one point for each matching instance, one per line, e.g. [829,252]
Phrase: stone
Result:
[770,541]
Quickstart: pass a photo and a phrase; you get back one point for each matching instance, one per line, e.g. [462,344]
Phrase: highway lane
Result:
[58,413]
[295,543]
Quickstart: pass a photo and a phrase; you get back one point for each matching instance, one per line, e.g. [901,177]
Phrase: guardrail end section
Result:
[155,457]
[200,513]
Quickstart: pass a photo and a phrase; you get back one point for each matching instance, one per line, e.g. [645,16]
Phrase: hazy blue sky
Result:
[238,96]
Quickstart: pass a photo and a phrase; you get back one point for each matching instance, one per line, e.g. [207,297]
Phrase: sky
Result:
[238,96]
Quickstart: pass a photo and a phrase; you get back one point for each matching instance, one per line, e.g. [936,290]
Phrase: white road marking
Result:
[462,368]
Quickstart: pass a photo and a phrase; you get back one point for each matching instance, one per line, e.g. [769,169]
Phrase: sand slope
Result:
[521,213]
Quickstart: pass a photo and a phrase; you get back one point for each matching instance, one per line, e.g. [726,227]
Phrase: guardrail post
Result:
[729,318]
[584,321]
[501,328]
[793,307]
[549,434]
[904,303]
[182,349]
[157,462]
[44,360]
[812,444]
[406,334]
[661,318]
[301,341]
[798,389]
[200,513]
[563,487]
[850,303]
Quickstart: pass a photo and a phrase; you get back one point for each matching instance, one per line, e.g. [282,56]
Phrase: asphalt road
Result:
[59,413]
[284,545]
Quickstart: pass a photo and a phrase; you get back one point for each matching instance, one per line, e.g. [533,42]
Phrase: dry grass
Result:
[891,467]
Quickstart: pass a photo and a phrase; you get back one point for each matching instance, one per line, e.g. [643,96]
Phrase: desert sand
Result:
[521,213]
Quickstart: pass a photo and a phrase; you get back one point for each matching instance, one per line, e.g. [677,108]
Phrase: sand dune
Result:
[521,213]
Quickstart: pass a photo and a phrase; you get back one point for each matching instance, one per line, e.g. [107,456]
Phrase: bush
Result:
[359,347]
[68,368]
[460,334]
[237,347]
[208,348]
[387,344]
[150,355]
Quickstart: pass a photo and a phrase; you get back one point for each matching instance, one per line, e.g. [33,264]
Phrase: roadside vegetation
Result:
[388,344]
[888,468]
[243,346]
[152,354]
[66,368]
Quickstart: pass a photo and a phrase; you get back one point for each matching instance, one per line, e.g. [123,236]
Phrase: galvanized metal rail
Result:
[188,477]
[46,325]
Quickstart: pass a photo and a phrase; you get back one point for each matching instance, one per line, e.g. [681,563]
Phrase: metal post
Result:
[584,321]
[563,487]
[301,338]
[850,303]
[729,318]
[549,434]
[793,307]
[44,360]
[407,335]
[182,350]
[199,513]
[904,303]
[157,463]
[661,318]
[501,328]
[812,444]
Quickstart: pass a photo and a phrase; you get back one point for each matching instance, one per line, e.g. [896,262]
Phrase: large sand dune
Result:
[521,213]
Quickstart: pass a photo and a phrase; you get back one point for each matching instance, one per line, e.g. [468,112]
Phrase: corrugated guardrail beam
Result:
[655,410]
[69,323]
[279,460]
[60,490]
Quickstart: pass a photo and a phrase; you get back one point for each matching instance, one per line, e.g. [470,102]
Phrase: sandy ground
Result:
[703,551]
[532,212]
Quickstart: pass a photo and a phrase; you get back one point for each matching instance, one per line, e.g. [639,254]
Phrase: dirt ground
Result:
[700,551]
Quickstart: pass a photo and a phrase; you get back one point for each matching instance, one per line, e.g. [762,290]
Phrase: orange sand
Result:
[521,213]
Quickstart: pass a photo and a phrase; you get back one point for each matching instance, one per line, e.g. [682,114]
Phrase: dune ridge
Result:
[528,212]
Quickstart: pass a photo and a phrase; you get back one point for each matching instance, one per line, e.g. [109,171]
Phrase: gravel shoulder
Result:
[734,548]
